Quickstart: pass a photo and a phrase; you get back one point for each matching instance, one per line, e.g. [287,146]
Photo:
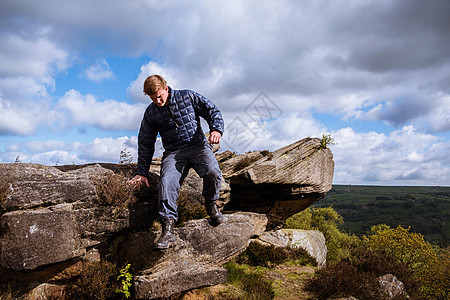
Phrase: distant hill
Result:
[425,209]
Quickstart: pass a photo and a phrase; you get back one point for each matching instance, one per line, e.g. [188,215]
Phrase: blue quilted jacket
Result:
[178,124]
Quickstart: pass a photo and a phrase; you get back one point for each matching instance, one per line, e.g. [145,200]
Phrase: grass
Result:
[263,272]
[247,283]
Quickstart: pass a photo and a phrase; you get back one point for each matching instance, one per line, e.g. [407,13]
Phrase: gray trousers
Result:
[175,166]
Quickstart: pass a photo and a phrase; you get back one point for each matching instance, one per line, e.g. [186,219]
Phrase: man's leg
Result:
[205,164]
[172,169]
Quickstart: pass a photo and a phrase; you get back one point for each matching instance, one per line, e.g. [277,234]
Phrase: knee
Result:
[168,183]
[214,173]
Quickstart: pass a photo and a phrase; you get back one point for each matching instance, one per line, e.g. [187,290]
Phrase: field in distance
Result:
[426,209]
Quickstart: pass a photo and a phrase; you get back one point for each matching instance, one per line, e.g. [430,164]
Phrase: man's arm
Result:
[146,148]
[211,113]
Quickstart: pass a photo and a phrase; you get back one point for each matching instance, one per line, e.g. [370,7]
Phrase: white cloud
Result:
[43,146]
[27,67]
[99,71]
[105,150]
[135,90]
[243,134]
[56,157]
[401,157]
[35,56]
[364,62]
[108,149]
[107,115]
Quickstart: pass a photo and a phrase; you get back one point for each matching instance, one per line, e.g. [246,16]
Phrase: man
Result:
[175,115]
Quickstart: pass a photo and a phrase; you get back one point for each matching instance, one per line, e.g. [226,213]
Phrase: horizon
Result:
[373,74]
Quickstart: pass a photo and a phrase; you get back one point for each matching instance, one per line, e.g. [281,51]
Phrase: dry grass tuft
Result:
[113,189]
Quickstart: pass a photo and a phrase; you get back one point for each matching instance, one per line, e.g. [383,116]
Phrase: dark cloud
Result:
[395,35]
[402,111]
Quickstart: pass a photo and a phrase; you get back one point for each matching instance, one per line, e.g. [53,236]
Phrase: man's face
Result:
[160,97]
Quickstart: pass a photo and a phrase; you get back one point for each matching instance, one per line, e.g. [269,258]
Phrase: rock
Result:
[392,288]
[196,259]
[39,237]
[33,185]
[34,238]
[312,241]
[281,183]
[47,291]
[51,218]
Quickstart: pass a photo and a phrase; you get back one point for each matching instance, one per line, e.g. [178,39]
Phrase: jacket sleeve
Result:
[208,111]
[146,146]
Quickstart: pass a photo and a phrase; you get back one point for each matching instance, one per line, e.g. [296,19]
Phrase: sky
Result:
[375,74]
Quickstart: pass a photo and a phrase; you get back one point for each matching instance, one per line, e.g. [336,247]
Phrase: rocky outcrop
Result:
[39,228]
[53,217]
[280,183]
[312,241]
[197,258]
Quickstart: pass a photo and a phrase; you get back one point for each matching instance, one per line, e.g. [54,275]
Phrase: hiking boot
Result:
[214,213]
[167,237]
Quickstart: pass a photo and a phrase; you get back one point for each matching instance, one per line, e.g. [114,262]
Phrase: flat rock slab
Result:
[196,258]
[39,237]
[33,185]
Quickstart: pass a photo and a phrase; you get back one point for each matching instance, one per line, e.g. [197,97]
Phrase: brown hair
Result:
[153,84]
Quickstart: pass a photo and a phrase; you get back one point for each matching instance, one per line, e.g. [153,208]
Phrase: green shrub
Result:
[341,279]
[326,220]
[430,266]
[114,189]
[379,263]
[358,275]
[125,279]
[247,284]
[97,281]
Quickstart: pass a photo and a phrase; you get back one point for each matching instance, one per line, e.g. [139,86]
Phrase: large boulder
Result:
[280,183]
[312,241]
[50,216]
[197,258]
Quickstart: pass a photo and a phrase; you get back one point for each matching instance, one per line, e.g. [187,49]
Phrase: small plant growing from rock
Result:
[326,141]
[114,189]
[125,278]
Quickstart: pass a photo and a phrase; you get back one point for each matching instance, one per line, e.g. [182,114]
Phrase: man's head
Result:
[156,88]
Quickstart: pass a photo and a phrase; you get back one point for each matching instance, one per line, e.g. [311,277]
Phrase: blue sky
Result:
[374,74]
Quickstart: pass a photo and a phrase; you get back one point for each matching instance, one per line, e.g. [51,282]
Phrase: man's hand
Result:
[138,179]
[214,137]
